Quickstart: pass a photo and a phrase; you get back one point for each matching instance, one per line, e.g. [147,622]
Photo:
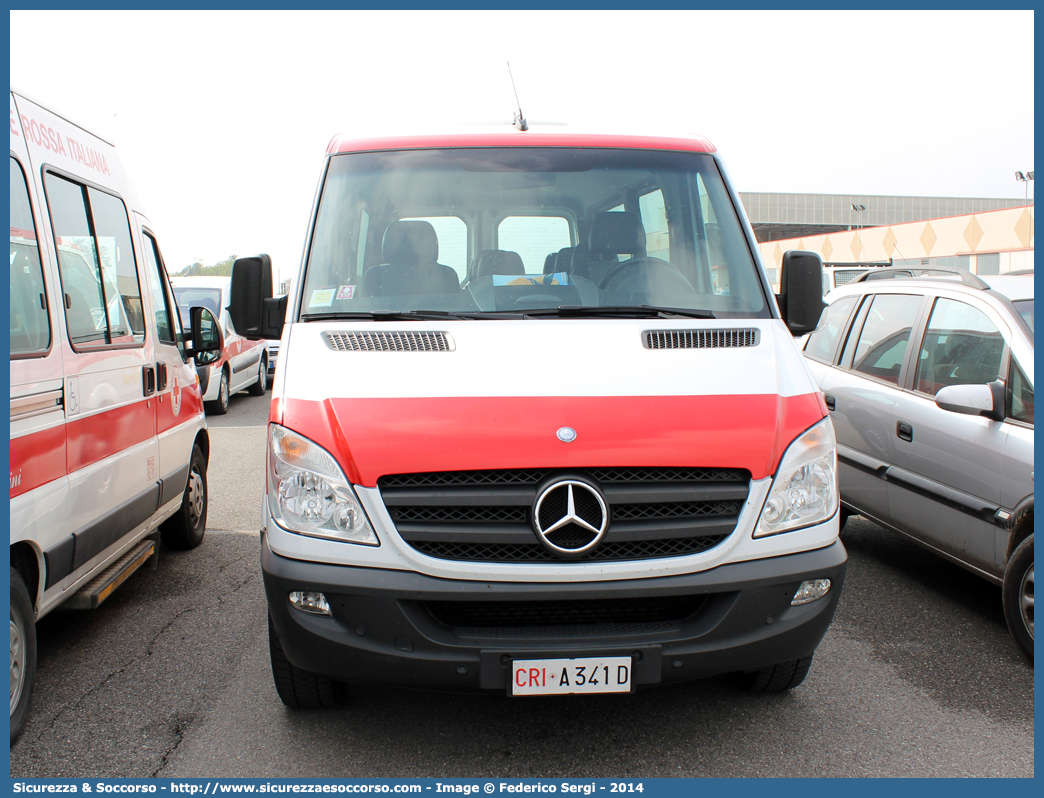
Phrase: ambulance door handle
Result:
[148,380]
[161,376]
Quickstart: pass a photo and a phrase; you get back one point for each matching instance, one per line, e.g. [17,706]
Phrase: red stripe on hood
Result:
[374,437]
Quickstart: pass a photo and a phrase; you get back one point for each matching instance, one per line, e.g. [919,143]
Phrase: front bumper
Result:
[383,629]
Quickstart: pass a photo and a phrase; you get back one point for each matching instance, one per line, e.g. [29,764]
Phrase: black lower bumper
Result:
[404,628]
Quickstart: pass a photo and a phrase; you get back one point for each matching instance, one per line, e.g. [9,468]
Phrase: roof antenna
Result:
[519,121]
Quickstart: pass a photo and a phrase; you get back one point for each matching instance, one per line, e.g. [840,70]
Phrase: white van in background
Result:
[241,364]
[109,445]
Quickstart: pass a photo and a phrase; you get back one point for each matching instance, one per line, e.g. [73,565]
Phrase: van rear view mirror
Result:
[250,299]
[801,291]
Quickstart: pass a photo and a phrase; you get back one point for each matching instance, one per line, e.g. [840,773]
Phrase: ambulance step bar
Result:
[101,587]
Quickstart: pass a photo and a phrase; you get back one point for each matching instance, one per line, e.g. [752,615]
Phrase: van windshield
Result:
[209,298]
[513,230]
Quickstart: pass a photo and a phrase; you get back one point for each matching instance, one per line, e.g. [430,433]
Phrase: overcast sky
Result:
[222,118]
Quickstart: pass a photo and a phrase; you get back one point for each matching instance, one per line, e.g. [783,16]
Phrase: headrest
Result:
[563,260]
[549,263]
[410,243]
[617,233]
[498,261]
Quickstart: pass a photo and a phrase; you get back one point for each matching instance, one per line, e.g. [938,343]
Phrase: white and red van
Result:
[242,364]
[109,445]
[539,425]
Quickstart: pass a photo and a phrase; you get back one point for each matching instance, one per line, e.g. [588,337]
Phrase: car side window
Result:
[880,346]
[822,343]
[1021,395]
[961,347]
[165,318]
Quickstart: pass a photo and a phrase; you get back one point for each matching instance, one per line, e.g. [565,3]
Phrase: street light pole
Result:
[1026,178]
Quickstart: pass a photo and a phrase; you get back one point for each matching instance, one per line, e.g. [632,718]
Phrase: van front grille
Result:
[422,341]
[699,339]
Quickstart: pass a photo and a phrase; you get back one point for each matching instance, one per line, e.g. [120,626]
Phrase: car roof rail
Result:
[967,277]
[1019,273]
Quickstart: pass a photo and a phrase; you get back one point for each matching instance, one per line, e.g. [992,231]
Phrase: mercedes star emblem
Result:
[566,434]
[570,517]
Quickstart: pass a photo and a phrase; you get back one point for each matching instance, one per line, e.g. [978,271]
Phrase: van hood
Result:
[498,393]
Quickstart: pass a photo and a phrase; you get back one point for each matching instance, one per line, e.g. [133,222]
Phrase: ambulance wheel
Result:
[23,654]
[220,405]
[300,689]
[259,387]
[184,529]
[776,678]
[1018,596]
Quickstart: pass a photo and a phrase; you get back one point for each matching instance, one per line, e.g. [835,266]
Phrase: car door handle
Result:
[904,431]
[830,401]
[148,380]
[161,376]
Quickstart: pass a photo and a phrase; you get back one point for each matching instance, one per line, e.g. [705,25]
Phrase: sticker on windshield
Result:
[345,292]
[322,297]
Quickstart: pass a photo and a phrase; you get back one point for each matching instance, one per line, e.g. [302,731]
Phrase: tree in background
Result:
[223,268]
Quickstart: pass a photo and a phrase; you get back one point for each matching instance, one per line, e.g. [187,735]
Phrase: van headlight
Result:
[804,491]
[308,492]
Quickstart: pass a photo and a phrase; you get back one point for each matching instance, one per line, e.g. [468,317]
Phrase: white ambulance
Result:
[539,425]
[109,445]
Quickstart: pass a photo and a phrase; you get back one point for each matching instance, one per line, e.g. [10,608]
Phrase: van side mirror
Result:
[255,314]
[207,337]
[801,291]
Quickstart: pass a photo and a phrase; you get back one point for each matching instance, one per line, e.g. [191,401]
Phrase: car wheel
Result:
[220,405]
[259,387]
[1018,596]
[23,653]
[185,529]
[300,689]
[776,678]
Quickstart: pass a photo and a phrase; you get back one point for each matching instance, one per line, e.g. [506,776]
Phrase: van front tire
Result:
[23,654]
[259,387]
[220,405]
[185,529]
[300,689]
[776,678]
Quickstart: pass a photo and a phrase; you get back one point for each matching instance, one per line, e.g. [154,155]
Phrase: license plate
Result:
[565,676]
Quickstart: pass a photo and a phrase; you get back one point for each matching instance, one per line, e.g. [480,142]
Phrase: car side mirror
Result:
[973,400]
[207,337]
[255,314]
[801,291]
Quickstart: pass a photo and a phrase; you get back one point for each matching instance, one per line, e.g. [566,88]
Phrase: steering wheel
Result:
[620,278]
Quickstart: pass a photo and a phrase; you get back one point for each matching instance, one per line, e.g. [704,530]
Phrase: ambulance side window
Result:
[100,288]
[30,326]
[166,318]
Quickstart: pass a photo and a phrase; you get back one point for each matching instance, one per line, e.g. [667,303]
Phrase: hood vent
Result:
[389,341]
[699,339]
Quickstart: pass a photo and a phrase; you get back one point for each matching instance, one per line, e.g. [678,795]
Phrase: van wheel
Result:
[300,689]
[220,405]
[259,387]
[184,530]
[23,654]
[1018,596]
[776,678]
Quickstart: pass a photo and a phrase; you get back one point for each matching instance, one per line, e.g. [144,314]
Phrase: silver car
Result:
[929,381]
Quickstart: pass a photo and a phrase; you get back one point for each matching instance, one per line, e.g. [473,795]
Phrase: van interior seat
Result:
[612,233]
[498,261]
[411,252]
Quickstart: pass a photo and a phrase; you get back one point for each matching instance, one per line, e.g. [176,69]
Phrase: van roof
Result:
[507,136]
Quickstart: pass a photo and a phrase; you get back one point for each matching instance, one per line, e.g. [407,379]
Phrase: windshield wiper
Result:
[394,315]
[621,311]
